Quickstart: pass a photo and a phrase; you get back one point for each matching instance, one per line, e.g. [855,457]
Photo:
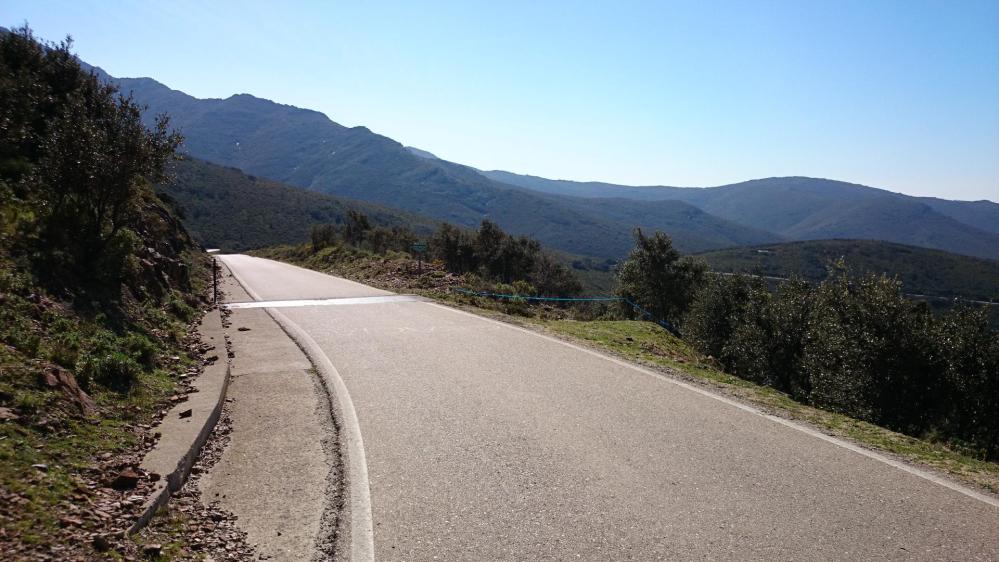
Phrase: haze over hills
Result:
[304,148]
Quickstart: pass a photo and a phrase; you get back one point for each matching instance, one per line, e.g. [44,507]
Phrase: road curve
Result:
[484,441]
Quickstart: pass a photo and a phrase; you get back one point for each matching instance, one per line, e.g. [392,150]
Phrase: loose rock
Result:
[126,480]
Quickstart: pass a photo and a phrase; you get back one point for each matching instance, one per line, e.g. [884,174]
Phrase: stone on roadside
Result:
[101,543]
[126,480]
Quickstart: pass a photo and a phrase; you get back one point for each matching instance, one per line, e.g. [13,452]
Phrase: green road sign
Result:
[419,247]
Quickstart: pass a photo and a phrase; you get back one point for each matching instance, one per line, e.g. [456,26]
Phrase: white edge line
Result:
[362,536]
[787,423]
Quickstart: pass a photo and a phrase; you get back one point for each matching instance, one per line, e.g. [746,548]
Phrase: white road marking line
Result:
[322,302]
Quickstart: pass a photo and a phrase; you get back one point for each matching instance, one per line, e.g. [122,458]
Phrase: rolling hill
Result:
[224,208]
[922,271]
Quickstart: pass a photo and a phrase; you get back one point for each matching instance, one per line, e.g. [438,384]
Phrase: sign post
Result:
[419,248]
[215,280]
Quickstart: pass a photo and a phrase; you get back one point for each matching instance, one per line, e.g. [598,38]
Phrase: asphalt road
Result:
[484,441]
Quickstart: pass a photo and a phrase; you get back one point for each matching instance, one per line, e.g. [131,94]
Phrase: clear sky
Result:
[899,95]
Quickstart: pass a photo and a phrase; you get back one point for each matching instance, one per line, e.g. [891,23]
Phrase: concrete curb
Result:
[173,480]
[360,524]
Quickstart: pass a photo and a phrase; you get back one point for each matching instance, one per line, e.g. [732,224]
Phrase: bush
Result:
[868,352]
[141,349]
[554,279]
[969,368]
[65,345]
[111,369]
[767,341]
[176,306]
[715,312]
[858,347]
[494,255]
[62,127]
[657,278]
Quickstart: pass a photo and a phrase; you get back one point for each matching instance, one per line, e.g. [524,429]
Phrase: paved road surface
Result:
[484,441]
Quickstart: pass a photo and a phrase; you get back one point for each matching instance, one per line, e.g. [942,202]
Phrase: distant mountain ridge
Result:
[800,208]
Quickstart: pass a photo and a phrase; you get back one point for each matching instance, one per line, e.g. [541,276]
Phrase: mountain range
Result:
[799,208]
[306,149]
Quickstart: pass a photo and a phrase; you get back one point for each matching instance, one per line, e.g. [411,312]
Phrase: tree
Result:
[322,235]
[488,243]
[657,278]
[715,313]
[554,279]
[78,152]
[356,228]
[766,337]
[455,248]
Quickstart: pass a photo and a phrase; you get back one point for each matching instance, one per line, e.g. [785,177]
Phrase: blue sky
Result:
[898,95]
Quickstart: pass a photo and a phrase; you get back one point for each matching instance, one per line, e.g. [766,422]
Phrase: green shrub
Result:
[868,352]
[141,349]
[175,305]
[323,236]
[969,399]
[66,343]
[717,309]
[111,369]
[496,256]
[858,346]
[658,278]
[767,340]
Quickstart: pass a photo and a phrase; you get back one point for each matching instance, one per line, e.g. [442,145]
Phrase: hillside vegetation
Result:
[853,343]
[486,259]
[99,283]
[227,209]
[921,271]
